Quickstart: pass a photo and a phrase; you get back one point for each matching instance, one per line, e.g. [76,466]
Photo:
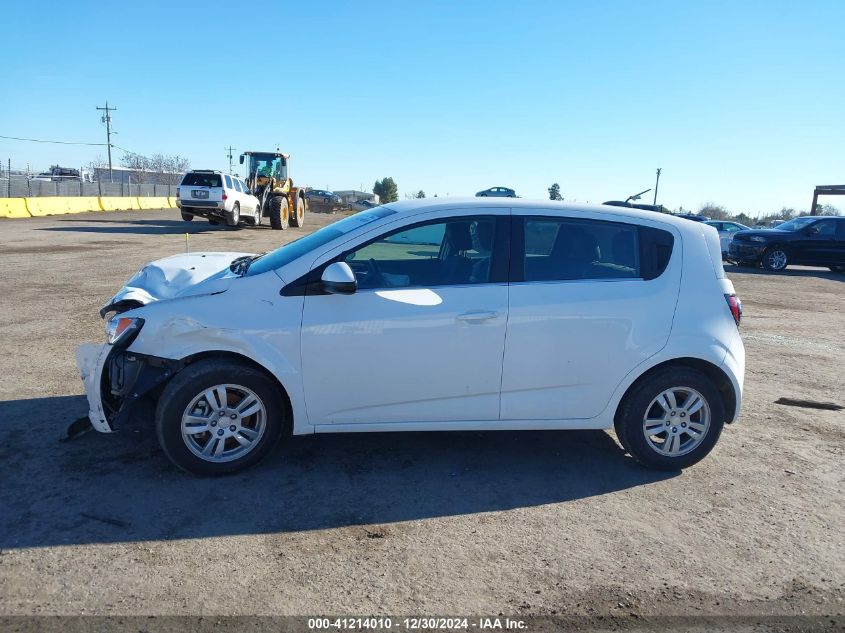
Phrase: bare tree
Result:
[137,165]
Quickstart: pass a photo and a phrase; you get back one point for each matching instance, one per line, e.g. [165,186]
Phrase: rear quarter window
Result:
[193,179]
[656,247]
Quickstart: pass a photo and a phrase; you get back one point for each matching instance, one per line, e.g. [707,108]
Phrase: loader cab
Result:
[266,165]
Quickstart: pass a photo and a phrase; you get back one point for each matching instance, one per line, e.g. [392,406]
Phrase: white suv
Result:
[433,316]
[217,196]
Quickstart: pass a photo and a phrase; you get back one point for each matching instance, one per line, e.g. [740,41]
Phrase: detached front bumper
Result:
[91,360]
[115,380]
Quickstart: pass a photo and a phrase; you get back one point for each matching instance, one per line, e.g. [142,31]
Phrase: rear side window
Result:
[655,251]
[237,185]
[194,179]
[557,249]
[228,182]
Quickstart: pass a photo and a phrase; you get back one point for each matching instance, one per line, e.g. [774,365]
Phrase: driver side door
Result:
[422,338]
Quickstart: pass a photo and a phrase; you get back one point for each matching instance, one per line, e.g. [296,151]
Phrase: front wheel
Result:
[775,259]
[672,419]
[279,213]
[217,417]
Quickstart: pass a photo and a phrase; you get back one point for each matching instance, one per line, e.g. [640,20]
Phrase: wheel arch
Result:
[240,358]
[715,373]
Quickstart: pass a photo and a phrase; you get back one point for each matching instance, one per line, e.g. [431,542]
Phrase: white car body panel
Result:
[348,356]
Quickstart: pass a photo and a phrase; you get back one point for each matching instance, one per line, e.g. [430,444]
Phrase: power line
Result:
[38,140]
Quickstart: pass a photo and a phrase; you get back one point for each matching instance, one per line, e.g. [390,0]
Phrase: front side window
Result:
[568,249]
[457,251]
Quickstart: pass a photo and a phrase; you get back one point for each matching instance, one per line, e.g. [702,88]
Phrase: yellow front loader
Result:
[268,180]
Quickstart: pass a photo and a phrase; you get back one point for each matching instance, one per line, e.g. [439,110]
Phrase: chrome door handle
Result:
[473,317]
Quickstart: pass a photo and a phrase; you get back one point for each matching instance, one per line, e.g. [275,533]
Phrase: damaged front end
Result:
[117,380]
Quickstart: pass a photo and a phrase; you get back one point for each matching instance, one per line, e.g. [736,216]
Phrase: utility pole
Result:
[657,182]
[106,118]
[230,149]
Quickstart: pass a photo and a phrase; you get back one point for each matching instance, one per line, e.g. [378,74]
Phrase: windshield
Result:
[296,249]
[797,224]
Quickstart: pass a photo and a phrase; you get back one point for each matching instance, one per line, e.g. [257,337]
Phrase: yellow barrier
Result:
[119,203]
[152,202]
[13,208]
[171,202]
[83,204]
[60,205]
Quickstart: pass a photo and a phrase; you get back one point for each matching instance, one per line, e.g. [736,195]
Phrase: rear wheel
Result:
[279,212]
[234,218]
[188,217]
[672,420]
[775,259]
[217,417]
[298,218]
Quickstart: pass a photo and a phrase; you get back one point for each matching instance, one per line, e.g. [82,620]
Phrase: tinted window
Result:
[228,182]
[444,253]
[194,179]
[825,227]
[566,249]
[237,184]
[289,252]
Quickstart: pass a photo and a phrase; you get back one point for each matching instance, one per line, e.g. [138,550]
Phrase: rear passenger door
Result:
[589,301]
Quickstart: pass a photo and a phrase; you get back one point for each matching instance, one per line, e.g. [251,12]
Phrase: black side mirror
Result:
[338,278]
[242,159]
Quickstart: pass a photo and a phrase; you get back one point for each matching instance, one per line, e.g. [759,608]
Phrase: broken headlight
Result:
[121,330]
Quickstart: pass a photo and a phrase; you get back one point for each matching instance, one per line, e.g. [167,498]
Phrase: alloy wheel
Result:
[676,421]
[224,423]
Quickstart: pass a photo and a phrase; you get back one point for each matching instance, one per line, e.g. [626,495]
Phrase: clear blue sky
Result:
[740,102]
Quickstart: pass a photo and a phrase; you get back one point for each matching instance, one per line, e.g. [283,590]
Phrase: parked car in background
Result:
[808,240]
[726,229]
[432,315]
[218,197]
[322,196]
[496,192]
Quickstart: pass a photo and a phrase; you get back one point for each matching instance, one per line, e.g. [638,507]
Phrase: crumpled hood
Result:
[185,275]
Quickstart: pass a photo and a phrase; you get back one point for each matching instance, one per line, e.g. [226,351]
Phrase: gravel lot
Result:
[465,523]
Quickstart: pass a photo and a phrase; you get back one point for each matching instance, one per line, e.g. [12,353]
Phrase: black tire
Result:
[257,216]
[188,217]
[279,213]
[635,406]
[298,218]
[775,259]
[234,218]
[192,381]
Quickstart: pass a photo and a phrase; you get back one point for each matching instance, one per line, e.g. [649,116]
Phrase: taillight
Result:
[736,307]
[225,197]
[177,193]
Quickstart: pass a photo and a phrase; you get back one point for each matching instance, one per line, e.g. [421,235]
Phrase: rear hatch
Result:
[199,187]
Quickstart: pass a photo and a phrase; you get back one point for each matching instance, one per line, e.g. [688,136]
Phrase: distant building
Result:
[351,196]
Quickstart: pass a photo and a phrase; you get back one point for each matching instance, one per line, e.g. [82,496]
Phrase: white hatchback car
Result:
[432,316]
[218,197]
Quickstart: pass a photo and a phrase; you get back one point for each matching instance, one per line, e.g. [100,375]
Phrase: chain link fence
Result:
[16,183]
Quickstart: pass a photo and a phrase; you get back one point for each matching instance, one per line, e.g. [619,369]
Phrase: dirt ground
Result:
[465,523]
